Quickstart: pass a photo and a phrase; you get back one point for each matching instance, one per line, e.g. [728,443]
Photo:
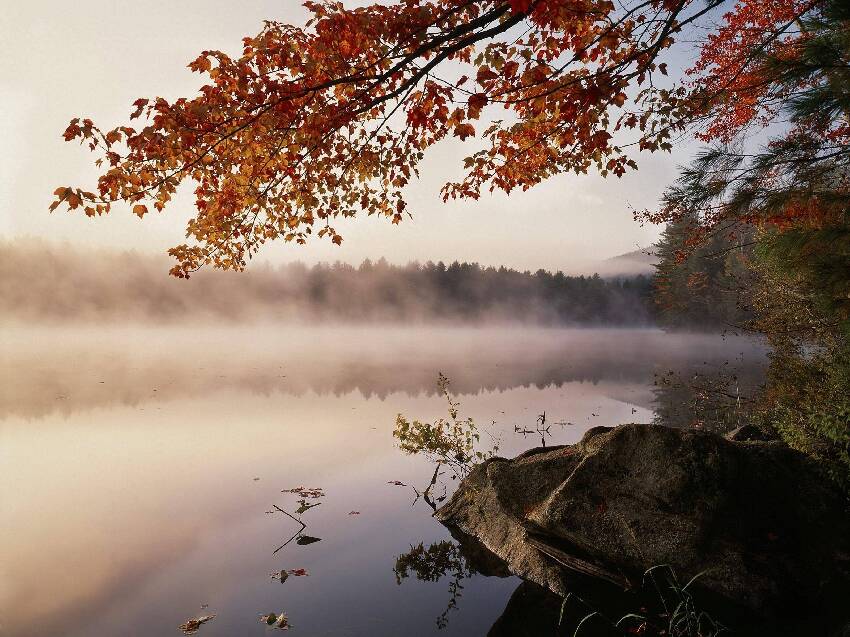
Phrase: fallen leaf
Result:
[278,620]
[306,492]
[193,625]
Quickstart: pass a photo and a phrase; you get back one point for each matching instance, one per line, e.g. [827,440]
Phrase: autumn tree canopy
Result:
[329,120]
[795,185]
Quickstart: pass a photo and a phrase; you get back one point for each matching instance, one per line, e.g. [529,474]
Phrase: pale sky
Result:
[93,58]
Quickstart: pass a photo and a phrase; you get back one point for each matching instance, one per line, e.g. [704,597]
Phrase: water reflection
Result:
[138,466]
[439,560]
[64,371]
[593,608]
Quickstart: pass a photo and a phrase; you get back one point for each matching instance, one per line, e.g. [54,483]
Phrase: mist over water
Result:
[48,370]
[148,425]
[130,455]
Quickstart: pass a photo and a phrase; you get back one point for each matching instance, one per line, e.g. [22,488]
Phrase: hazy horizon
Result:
[63,283]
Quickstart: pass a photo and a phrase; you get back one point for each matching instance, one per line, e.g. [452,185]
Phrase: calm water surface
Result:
[139,465]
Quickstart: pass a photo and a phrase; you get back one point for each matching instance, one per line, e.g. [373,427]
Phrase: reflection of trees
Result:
[65,375]
[708,396]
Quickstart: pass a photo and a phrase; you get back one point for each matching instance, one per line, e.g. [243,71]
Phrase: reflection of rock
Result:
[479,559]
[772,533]
[531,611]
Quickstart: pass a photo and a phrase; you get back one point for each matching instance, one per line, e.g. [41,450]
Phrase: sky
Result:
[95,57]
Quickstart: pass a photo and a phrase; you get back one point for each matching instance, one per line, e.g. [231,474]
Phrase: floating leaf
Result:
[307,539]
[278,620]
[280,575]
[303,506]
[306,492]
[191,626]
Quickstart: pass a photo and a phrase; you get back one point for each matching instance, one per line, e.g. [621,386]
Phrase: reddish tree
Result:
[330,120]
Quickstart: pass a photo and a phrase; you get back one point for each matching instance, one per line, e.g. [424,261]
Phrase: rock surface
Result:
[769,531]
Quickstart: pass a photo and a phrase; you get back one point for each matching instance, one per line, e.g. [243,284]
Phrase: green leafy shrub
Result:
[451,442]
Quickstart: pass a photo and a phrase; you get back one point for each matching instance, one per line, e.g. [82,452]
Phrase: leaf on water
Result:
[280,575]
[397,483]
[191,626]
[303,506]
[278,620]
[307,539]
[354,513]
[283,575]
[306,492]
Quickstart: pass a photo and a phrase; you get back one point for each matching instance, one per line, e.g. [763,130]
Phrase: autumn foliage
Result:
[779,66]
[311,124]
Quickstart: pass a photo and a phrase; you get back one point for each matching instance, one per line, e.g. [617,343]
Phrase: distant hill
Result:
[640,261]
[630,264]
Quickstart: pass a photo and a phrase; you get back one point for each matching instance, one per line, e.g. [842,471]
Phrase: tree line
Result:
[67,286]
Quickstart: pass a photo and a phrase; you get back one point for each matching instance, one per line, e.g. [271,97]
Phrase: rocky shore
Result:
[768,534]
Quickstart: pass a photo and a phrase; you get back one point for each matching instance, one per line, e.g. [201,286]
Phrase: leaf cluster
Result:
[451,442]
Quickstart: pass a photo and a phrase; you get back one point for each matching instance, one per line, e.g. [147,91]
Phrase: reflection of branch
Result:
[426,494]
[297,533]
[432,564]
[541,428]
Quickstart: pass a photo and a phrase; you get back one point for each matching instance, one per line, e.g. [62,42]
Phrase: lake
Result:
[142,467]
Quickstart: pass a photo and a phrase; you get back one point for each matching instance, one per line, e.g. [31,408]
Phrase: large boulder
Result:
[769,534]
